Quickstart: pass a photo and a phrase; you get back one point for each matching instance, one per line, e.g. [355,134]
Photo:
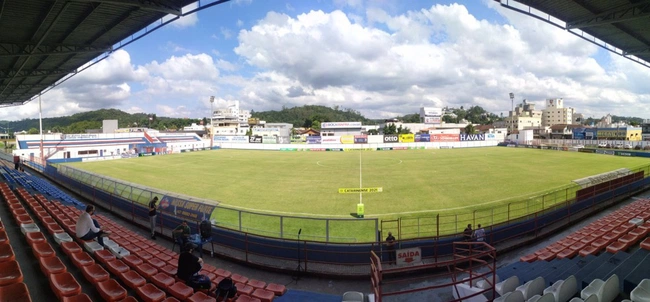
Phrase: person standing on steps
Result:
[153,214]
[390,247]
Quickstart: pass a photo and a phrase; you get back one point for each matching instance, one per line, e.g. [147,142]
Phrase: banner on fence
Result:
[391,138]
[269,140]
[186,209]
[472,137]
[347,139]
[313,139]
[406,138]
[330,139]
[444,137]
[360,139]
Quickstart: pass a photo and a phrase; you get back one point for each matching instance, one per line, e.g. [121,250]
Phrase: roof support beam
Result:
[615,15]
[638,51]
[25,86]
[162,6]
[26,74]
[20,50]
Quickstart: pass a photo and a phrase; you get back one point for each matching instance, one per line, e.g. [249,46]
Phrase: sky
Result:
[382,58]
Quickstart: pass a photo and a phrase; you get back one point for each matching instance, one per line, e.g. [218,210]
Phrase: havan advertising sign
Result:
[472,137]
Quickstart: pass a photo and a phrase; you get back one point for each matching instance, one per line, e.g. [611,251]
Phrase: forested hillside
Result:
[312,116]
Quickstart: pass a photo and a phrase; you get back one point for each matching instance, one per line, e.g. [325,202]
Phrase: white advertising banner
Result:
[330,140]
[330,125]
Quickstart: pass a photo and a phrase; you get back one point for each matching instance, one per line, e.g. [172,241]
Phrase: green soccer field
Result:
[416,183]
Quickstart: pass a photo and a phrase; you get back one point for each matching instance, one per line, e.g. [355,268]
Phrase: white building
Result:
[523,116]
[430,115]
[340,128]
[555,113]
[231,120]
[194,127]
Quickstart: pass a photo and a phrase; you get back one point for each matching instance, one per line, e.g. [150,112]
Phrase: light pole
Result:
[512,112]
[211,123]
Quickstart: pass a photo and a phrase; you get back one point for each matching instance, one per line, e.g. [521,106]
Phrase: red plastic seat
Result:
[162,280]
[143,255]
[110,290]
[95,273]
[246,298]
[169,270]
[129,299]
[617,247]
[150,293]
[256,283]
[180,290]
[157,263]
[16,292]
[52,265]
[547,256]
[64,285]
[132,248]
[104,256]
[42,249]
[70,248]
[132,260]
[77,298]
[645,244]
[24,219]
[200,297]
[164,257]
[3,237]
[18,211]
[223,273]
[6,252]
[277,289]
[53,228]
[117,266]
[132,279]
[171,299]
[146,270]
[81,259]
[629,239]
[263,295]
[34,237]
[244,289]
[238,278]
[567,253]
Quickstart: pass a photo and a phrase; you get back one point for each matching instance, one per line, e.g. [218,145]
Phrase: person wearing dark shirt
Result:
[390,247]
[468,233]
[182,234]
[152,216]
[188,264]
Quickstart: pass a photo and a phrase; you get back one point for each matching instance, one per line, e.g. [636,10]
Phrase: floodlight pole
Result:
[211,122]
[512,112]
[40,127]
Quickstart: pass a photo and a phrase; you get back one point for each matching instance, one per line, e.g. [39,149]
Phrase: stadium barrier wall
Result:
[342,147]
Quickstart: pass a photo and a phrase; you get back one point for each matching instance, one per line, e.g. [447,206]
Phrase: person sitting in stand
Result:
[88,228]
[182,234]
[189,266]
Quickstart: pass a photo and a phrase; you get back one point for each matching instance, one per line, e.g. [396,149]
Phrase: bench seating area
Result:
[128,263]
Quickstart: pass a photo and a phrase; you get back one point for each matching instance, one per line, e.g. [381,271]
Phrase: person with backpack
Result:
[189,266]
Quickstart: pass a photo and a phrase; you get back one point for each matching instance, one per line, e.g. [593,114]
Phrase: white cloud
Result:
[243,2]
[442,54]
[226,33]
[240,23]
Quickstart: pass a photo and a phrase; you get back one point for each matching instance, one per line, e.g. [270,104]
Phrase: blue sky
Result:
[380,57]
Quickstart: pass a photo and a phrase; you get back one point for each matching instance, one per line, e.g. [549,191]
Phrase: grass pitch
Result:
[416,183]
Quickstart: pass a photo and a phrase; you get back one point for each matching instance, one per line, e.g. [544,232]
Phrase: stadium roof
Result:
[620,26]
[45,42]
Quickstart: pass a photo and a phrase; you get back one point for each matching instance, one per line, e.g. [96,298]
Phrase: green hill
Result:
[312,116]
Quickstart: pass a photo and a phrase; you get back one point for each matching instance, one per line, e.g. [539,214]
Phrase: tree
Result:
[390,129]
[373,132]
[449,119]
[249,132]
[32,131]
[469,129]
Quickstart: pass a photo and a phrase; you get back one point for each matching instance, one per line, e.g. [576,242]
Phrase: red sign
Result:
[445,137]
[409,256]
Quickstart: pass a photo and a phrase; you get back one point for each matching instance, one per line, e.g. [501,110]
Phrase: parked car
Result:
[602,145]
[579,146]
[619,146]
[628,146]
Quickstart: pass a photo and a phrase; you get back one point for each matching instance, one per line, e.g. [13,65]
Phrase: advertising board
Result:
[471,137]
[406,138]
[391,138]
